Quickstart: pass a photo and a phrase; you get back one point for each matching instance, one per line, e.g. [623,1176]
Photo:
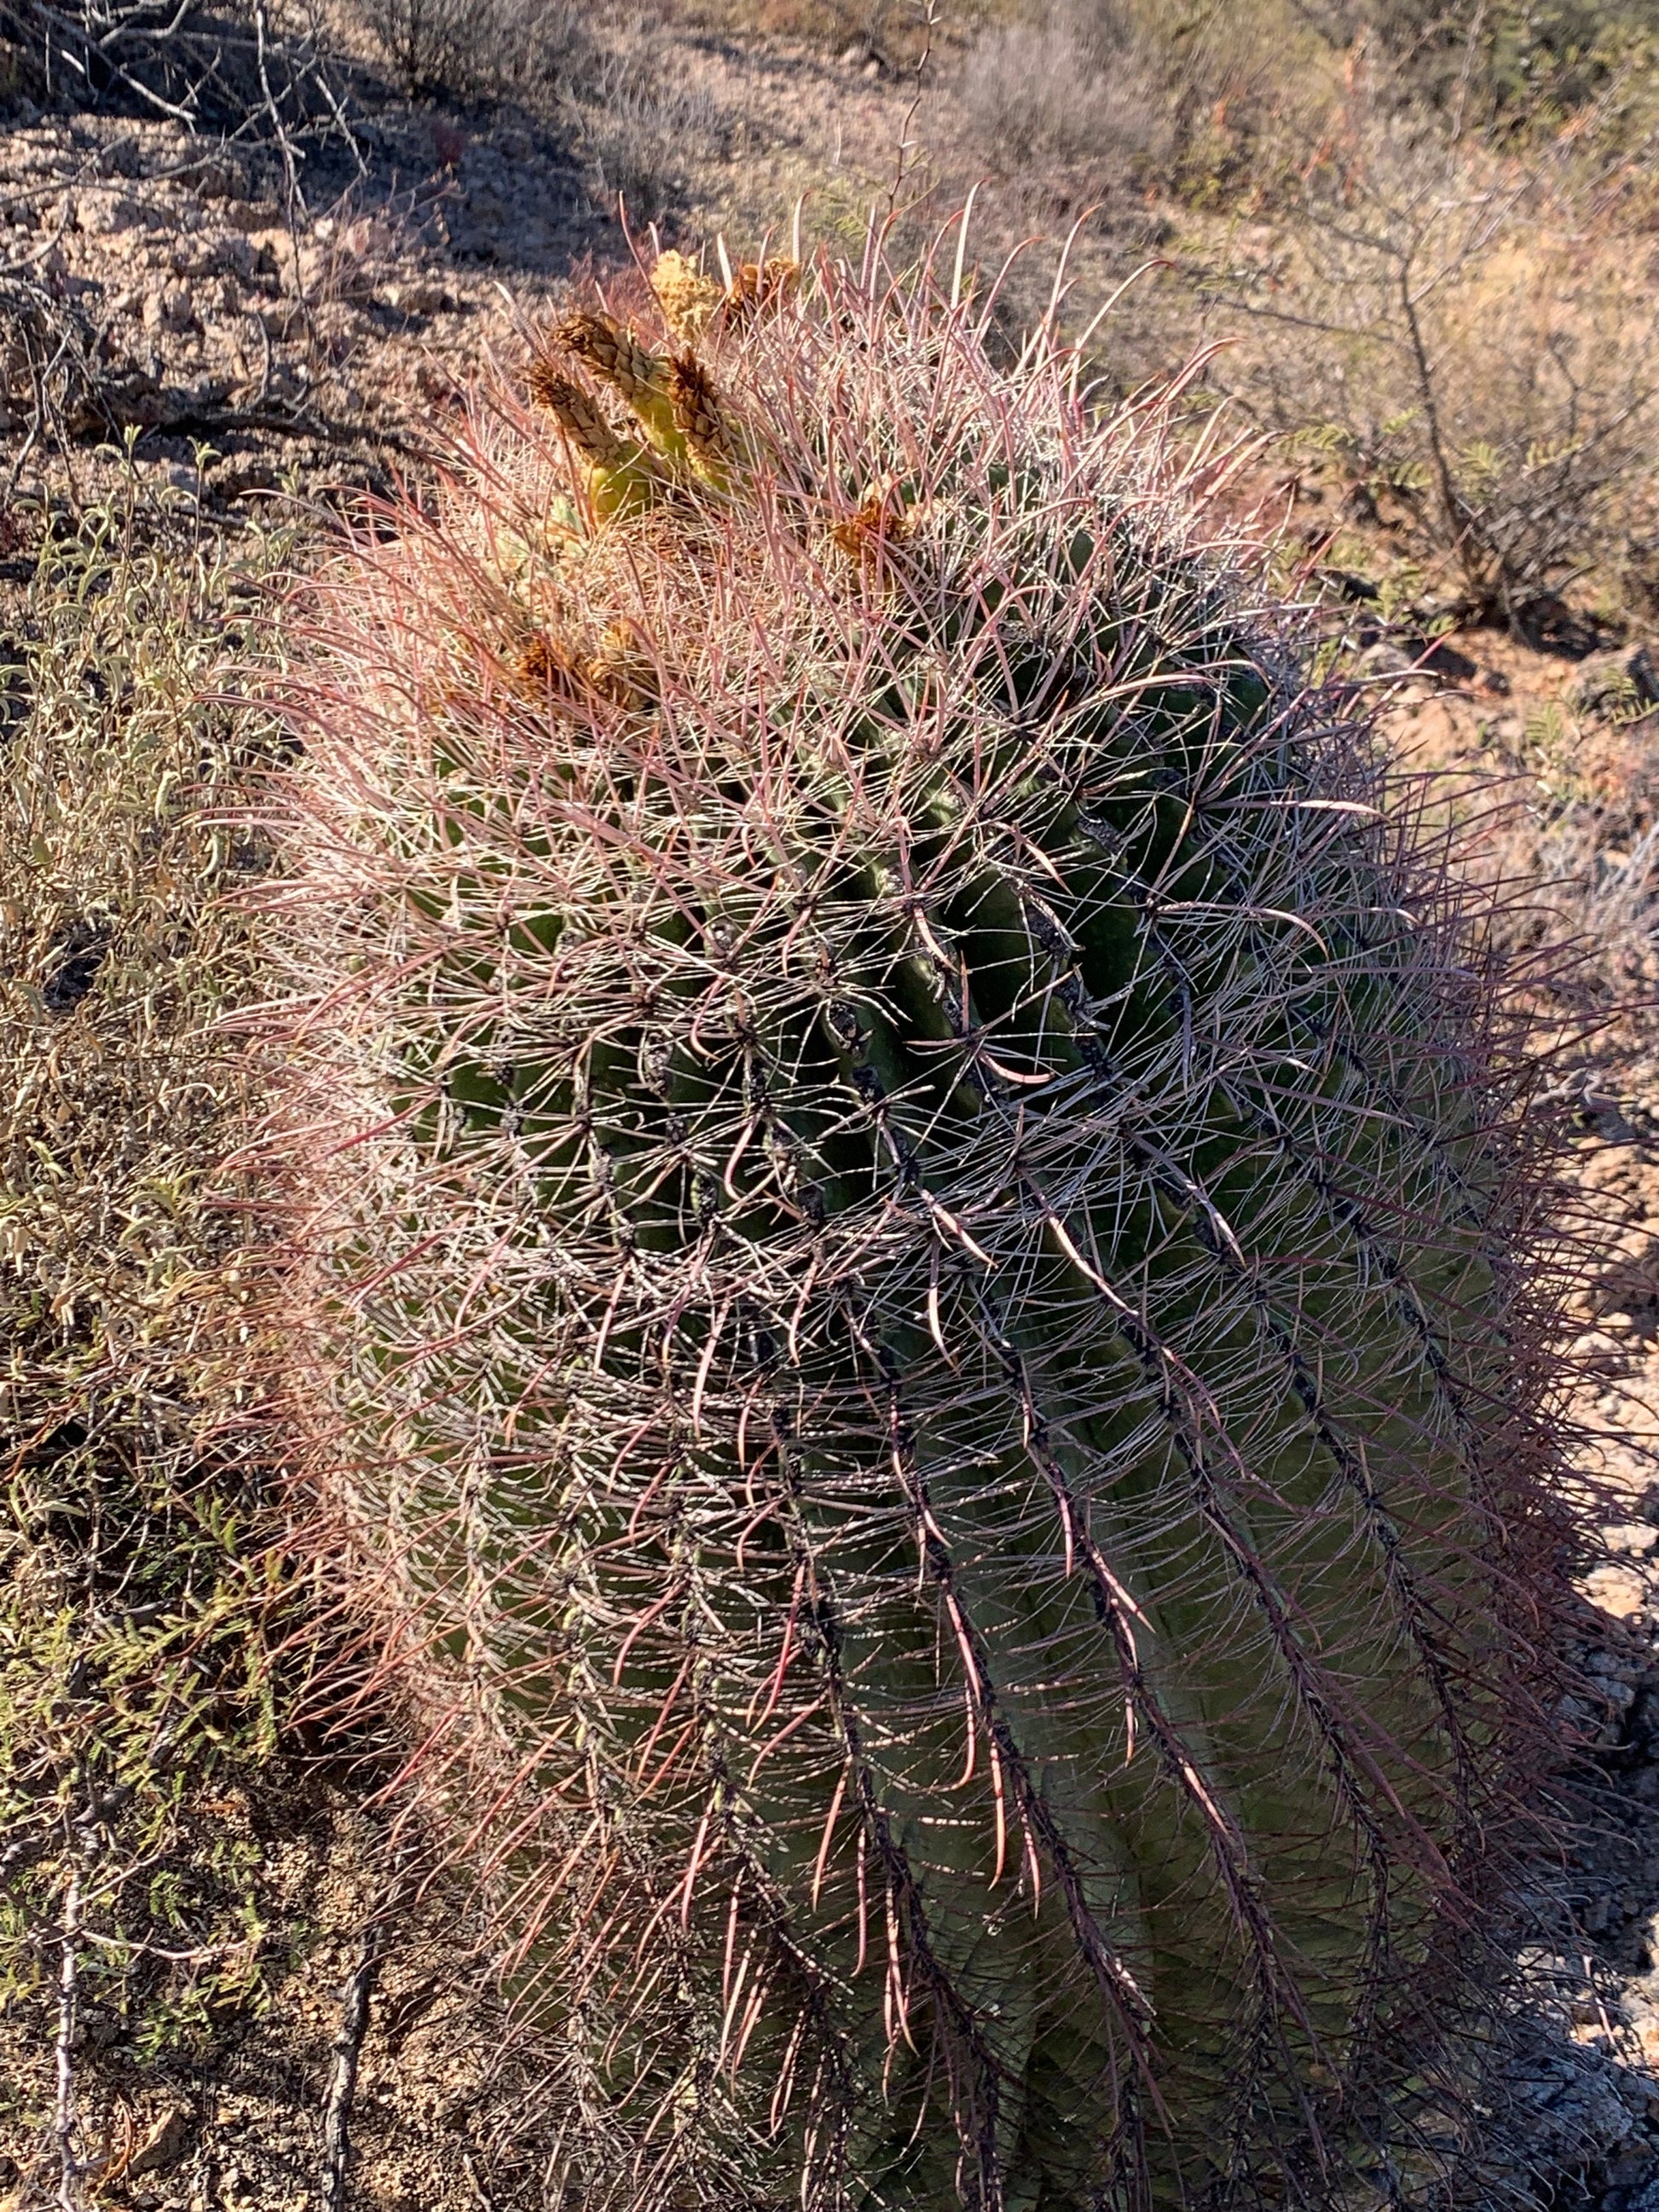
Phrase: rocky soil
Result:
[236,343]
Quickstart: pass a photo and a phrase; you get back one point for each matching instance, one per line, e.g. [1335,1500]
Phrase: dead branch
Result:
[65,2121]
[226,69]
[354,1996]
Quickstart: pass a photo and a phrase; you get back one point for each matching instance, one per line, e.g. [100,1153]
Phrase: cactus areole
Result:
[913,1306]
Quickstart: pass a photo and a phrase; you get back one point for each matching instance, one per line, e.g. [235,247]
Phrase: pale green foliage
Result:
[139,1599]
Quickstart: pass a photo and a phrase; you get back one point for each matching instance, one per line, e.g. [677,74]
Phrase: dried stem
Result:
[65,2119]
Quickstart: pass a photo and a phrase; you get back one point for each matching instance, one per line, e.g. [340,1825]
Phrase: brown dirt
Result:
[233,2116]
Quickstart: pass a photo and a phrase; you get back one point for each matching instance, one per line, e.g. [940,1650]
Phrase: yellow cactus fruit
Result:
[577,414]
[761,284]
[686,296]
[638,377]
[713,443]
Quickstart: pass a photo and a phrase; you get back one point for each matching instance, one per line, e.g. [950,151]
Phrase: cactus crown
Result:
[918,1355]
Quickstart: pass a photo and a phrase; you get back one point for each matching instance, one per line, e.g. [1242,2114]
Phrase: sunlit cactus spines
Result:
[915,1322]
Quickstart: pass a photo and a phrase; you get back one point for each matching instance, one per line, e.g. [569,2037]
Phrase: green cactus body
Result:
[923,1355]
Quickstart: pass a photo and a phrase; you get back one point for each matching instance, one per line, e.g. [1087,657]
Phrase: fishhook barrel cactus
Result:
[909,1305]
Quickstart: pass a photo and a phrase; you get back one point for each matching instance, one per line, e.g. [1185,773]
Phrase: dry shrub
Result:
[1073,87]
[242,68]
[642,123]
[1607,898]
[1229,104]
[639,122]
[1506,63]
[1207,102]
[1483,358]
[139,1610]
[480,46]
[1589,845]
[894,32]
[53,382]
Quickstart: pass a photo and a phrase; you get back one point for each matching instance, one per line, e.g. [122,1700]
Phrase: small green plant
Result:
[916,1309]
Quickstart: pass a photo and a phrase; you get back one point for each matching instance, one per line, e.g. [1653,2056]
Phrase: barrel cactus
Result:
[909,1311]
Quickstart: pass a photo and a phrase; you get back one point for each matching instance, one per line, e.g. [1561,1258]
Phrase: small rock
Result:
[105,214]
[1597,1351]
[220,178]
[1615,1667]
[1636,1537]
[161,2145]
[1384,659]
[170,308]
[229,253]
[252,216]
[1621,686]
[1618,1591]
[420,297]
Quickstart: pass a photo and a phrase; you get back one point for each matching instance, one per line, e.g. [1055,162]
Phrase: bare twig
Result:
[293,204]
[1471,47]
[354,1996]
[65,2123]
[470,2167]
[906,142]
[357,1993]
[1460,518]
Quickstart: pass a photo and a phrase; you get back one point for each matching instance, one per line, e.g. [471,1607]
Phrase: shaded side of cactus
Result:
[913,1315]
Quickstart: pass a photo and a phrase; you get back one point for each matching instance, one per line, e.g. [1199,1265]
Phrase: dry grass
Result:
[645,127]
[1073,87]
